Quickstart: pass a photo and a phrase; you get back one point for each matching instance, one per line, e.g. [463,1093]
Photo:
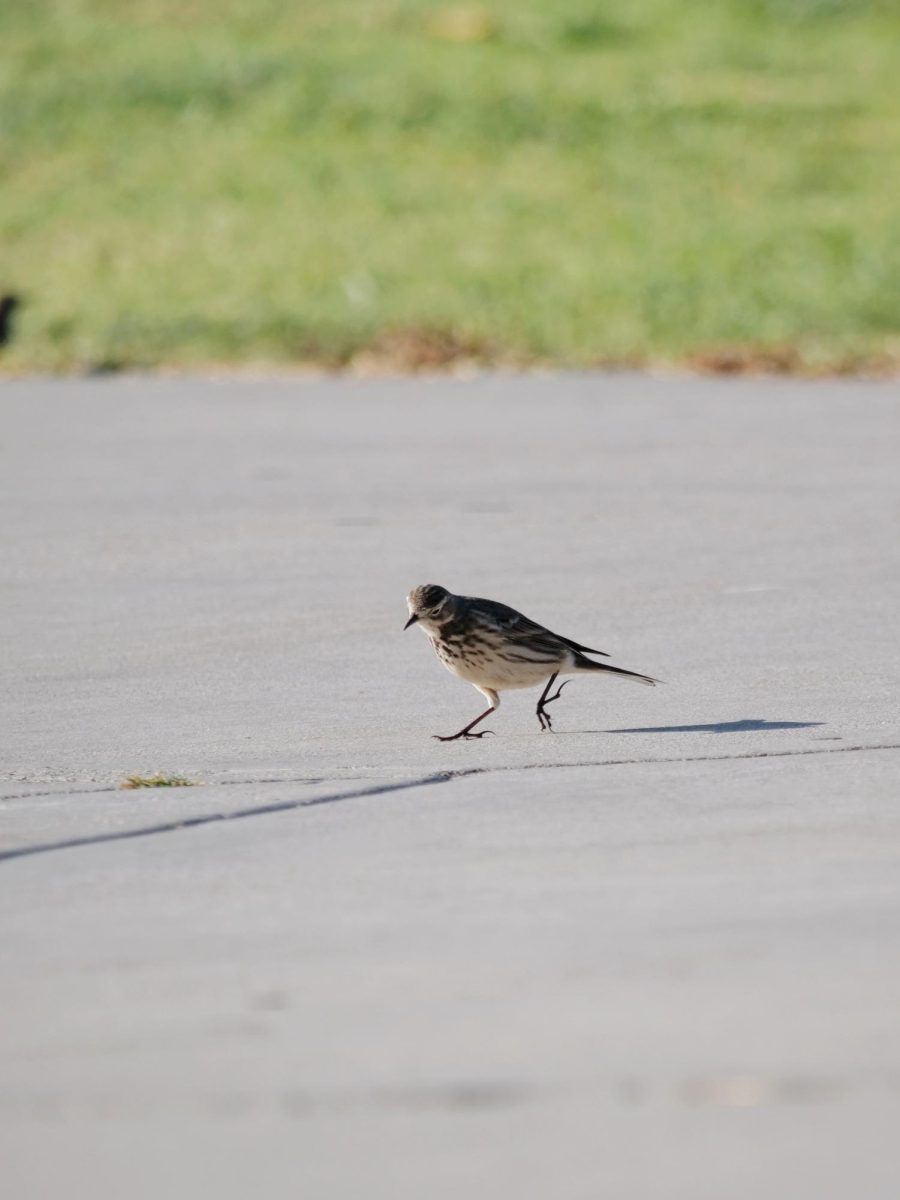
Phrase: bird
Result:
[495,647]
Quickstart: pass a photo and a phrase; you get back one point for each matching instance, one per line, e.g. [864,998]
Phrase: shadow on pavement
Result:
[748,725]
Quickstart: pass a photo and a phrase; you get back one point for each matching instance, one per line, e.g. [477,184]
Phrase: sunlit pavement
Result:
[652,954]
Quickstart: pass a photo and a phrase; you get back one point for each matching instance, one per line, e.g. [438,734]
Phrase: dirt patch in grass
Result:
[787,360]
[423,351]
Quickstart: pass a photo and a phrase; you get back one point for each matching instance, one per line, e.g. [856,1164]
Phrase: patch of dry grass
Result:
[155,781]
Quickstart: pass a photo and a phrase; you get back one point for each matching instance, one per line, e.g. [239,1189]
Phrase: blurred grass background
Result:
[576,182]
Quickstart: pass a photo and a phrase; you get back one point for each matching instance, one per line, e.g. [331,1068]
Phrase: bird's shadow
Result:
[748,725]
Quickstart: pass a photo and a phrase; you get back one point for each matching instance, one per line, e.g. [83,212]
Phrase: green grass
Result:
[189,181]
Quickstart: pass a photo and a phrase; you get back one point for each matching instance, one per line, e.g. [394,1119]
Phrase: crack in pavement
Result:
[121,835]
[680,758]
[384,789]
[117,787]
[102,789]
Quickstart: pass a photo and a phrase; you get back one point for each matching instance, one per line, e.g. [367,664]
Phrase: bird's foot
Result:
[463,733]
[542,715]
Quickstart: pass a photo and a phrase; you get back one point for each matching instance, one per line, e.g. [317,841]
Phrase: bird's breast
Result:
[486,665]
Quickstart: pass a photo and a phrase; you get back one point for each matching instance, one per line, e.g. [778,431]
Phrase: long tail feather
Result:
[585,664]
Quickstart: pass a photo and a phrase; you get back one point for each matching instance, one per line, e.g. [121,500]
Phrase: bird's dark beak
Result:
[412,620]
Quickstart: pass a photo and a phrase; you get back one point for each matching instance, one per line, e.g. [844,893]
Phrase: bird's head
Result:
[428,604]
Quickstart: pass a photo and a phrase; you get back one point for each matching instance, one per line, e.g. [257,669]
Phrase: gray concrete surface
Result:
[652,955]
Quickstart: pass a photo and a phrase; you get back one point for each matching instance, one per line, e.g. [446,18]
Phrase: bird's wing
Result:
[519,628]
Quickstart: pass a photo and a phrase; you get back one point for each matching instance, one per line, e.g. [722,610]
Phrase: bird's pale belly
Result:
[494,671]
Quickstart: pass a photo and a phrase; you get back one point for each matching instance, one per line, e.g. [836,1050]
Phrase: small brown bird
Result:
[493,647]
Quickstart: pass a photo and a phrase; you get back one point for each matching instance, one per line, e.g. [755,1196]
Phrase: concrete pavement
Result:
[652,955]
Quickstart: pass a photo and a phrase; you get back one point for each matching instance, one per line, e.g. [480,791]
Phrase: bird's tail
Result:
[585,664]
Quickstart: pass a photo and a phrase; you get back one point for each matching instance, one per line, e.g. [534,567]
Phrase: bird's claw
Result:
[454,737]
[542,715]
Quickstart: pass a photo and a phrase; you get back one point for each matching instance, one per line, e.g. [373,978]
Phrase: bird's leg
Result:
[542,715]
[465,733]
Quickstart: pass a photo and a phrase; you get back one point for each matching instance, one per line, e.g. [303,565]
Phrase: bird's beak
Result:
[412,620]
